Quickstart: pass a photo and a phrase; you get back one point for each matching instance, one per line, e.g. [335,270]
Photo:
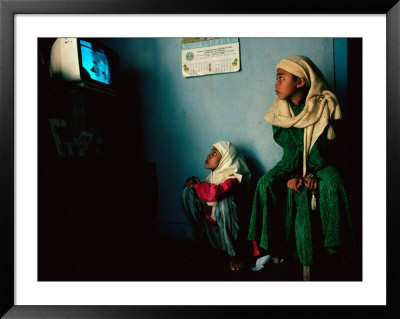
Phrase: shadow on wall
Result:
[256,170]
[130,129]
[132,146]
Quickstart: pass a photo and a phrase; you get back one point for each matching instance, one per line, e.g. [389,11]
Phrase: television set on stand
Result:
[85,62]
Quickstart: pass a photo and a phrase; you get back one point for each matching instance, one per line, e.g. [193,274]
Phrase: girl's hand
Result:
[191,181]
[311,183]
[295,183]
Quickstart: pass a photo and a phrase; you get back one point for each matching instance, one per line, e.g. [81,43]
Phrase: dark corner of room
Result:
[97,195]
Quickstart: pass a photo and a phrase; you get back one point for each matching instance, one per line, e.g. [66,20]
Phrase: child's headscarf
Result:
[231,165]
[320,109]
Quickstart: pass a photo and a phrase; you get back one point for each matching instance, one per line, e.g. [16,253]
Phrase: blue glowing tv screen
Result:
[95,62]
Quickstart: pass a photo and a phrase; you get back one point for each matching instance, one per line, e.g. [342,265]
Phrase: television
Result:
[85,62]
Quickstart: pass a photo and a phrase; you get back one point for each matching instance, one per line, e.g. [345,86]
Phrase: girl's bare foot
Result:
[235,263]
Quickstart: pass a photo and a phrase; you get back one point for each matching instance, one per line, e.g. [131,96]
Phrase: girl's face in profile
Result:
[286,84]
[213,158]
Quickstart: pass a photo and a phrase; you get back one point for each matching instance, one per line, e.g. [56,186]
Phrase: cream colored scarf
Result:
[231,165]
[320,109]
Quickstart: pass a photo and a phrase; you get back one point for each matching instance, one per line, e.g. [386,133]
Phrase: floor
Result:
[181,260]
[154,258]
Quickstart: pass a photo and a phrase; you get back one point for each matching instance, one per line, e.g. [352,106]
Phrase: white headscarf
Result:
[321,106]
[231,165]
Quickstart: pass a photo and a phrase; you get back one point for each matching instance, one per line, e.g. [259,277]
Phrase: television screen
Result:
[94,62]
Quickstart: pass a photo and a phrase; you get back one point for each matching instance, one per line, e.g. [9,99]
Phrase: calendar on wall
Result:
[205,56]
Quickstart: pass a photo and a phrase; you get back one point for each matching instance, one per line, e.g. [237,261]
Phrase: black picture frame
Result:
[8,10]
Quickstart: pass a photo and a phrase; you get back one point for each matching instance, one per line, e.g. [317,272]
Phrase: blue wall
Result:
[183,117]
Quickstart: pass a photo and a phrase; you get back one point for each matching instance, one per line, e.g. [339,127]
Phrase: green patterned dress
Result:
[282,221]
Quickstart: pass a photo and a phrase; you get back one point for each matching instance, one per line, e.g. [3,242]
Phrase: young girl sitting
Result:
[213,206]
[301,201]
